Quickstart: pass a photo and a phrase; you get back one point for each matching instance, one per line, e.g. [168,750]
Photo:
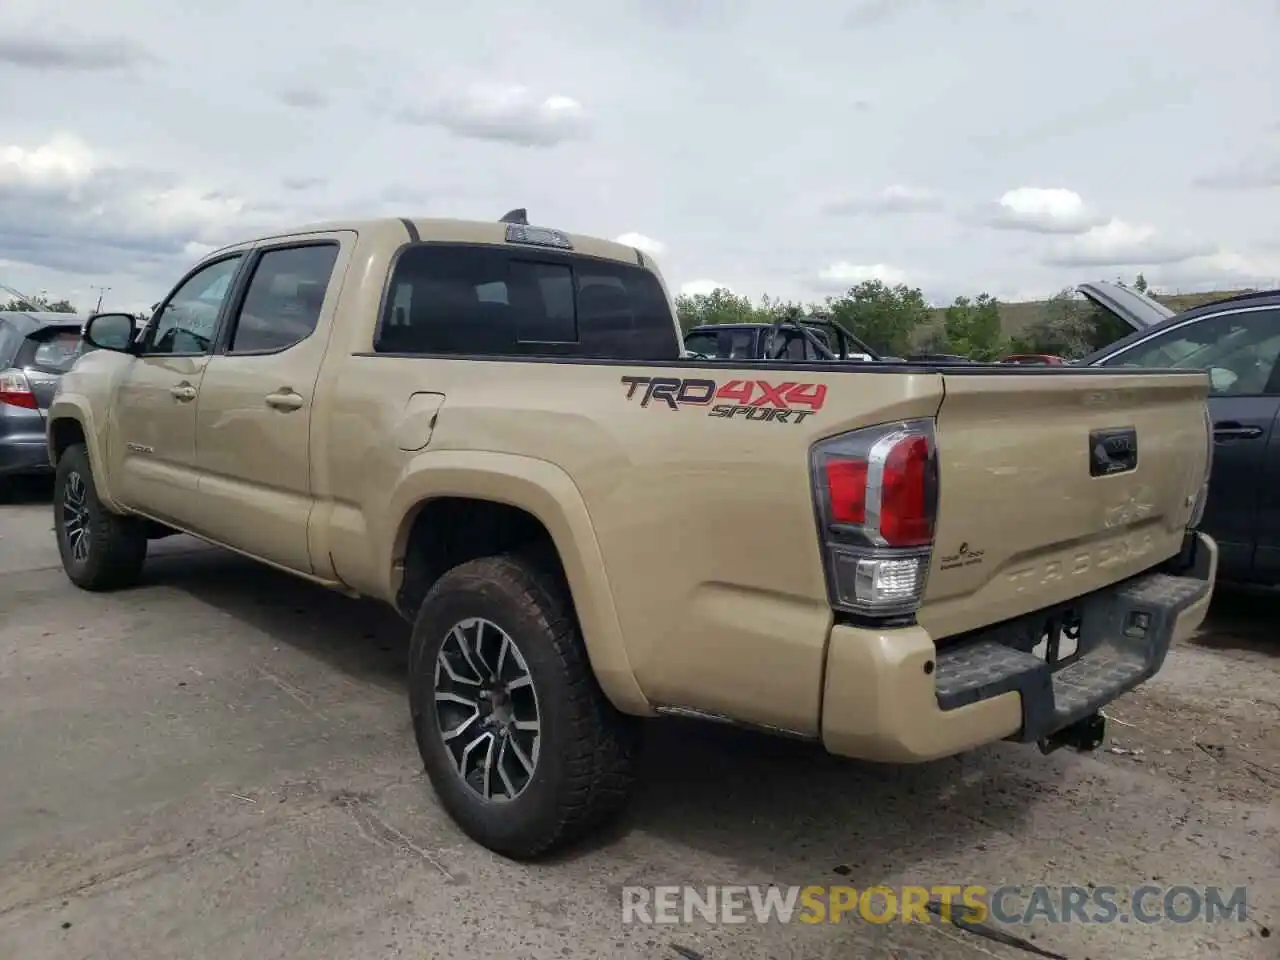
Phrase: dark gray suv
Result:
[36,349]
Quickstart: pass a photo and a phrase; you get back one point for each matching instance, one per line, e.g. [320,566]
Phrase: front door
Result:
[151,445]
[1239,348]
[252,421]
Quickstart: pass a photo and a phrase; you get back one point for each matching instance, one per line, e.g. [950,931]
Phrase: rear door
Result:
[1239,348]
[253,416]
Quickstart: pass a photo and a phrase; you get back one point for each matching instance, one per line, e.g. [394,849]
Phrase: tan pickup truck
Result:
[491,426]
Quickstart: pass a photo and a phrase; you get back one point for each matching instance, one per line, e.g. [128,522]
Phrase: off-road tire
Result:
[117,546]
[588,750]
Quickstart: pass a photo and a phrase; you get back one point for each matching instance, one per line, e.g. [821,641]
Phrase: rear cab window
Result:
[458,299]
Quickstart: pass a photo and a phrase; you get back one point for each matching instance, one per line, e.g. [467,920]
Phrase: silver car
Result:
[36,349]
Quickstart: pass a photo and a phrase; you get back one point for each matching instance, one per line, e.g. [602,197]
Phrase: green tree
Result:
[1140,284]
[885,317]
[34,305]
[1070,327]
[718,306]
[972,328]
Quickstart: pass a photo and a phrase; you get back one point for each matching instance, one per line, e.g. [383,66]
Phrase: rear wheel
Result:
[521,745]
[100,550]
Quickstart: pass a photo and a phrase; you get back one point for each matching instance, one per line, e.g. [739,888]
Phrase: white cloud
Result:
[896,198]
[844,274]
[702,288]
[66,206]
[1042,210]
[1119,243]
[1222,270]
[510,113]
[655,248]
[64,162]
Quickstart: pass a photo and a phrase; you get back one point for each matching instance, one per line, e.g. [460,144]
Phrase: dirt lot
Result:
[219,764]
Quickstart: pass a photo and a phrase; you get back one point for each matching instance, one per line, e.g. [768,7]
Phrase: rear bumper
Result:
[23,456]
[893,696]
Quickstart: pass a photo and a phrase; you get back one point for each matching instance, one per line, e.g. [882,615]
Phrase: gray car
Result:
[36,349]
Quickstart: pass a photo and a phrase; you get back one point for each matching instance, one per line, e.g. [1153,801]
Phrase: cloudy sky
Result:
[786,146]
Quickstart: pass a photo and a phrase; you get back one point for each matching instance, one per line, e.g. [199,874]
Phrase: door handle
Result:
[183,392]
[284,399]
[1230,430]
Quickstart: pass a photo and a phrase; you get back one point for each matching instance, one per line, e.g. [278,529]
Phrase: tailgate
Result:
[1054,483]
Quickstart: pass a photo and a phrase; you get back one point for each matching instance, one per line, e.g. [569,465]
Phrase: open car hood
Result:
[1136,309]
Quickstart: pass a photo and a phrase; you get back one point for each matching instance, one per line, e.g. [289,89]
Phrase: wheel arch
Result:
[71,421]
[537,498]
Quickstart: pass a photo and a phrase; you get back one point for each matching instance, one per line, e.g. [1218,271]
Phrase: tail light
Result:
[16,391]
[876,494]
[1202,495]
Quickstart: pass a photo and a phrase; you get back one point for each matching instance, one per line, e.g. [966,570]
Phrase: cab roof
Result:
[400,230]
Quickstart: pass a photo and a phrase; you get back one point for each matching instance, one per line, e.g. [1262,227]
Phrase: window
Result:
[705,343]
[493,301]
[741,345]
[813,353]
[50,351]
[186,323]
[1238,349]
[282,304]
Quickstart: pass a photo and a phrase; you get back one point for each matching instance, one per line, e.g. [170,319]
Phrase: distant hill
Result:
[1014,317]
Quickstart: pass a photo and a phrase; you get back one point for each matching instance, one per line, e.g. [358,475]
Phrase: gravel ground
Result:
[219,764]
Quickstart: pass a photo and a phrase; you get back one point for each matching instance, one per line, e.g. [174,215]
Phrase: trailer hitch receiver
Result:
[1083,735]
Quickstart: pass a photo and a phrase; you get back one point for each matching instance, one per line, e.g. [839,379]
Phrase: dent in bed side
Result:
[535,486]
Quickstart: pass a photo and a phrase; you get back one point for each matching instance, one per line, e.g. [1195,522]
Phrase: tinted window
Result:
[703,343]
[813,353]
[187,322]
[50,351]
[1238,349]
[496,301]
[282,304]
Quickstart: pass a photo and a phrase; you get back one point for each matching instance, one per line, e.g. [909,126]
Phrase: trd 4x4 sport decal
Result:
[785,402]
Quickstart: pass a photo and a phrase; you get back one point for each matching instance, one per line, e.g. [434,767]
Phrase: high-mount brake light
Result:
[519,231]
[875,491]
[15,391]
[538,236]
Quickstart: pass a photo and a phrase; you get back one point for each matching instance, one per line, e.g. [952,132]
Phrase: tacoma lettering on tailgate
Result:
[785,402]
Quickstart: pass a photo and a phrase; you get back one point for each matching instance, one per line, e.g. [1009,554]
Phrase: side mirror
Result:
[111,331]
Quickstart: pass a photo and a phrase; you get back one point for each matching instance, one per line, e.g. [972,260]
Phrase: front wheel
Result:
[100,550]
[518,740]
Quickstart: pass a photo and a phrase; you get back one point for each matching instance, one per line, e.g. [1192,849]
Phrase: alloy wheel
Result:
[487,709]
[75,517]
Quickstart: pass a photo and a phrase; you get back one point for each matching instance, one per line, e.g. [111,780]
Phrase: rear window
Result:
[50,351]
[703,343]
[494,301]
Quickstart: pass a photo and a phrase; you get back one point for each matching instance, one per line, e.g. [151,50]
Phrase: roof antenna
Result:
[519,215]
